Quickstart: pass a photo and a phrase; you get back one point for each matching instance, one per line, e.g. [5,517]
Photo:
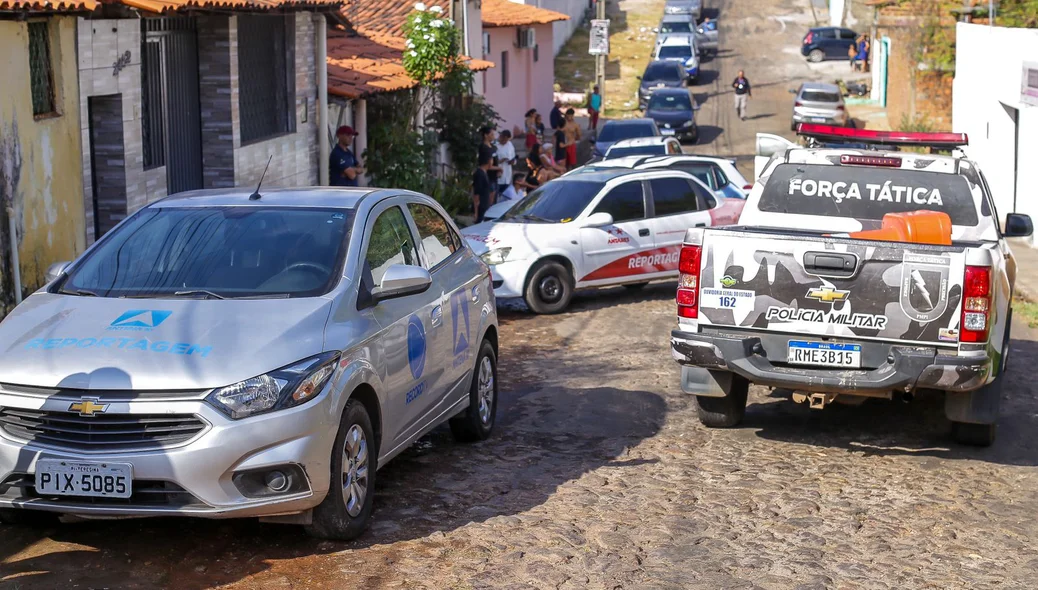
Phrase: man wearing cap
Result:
[344,169]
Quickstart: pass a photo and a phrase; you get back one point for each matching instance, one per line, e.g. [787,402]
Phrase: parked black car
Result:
[674,111]
[823,43]
[660,74]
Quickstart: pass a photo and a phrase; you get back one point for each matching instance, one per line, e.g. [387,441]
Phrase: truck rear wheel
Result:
[977,435]
[727,411]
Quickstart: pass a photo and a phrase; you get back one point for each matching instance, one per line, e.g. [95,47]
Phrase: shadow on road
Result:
[708,133]
[883,427]
[547,435]
[706,77]
[724,54]
[512,310]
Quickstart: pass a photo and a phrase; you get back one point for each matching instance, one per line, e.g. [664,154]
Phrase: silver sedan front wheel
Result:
[354,470]
[344,512]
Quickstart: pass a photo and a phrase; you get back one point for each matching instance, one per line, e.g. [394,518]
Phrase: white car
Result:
[595,228]
[644,146]
[680,48]
[720,174]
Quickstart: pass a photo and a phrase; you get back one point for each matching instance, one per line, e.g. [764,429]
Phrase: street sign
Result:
[599,44]
[1029,84]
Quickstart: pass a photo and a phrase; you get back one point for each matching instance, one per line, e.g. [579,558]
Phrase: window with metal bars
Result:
[40,76]
[266,76]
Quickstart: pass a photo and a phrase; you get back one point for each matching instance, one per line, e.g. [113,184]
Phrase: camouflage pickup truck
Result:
[791,299]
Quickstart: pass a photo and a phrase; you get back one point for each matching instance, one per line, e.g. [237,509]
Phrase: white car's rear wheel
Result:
[477,421]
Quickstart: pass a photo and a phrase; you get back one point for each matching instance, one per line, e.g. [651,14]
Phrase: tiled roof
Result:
[170,6]
[362,65]
[385,17]
[47,6]
[502,13]
[166,6]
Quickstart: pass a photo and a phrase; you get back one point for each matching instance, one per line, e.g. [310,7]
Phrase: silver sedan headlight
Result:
[277,390]
[496,256]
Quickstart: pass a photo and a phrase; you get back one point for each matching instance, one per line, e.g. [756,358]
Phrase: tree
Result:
[401,155]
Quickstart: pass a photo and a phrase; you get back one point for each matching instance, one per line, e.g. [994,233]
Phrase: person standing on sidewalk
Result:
[555,117]
[863,53]
[558,142]
[481,188]
[594,106]
[488,149]
[505,159]
[344,167]
[530,122]
[571,130]
[742,94]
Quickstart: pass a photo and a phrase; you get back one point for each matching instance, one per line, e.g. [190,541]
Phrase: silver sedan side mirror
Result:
[402,280]
[55,271]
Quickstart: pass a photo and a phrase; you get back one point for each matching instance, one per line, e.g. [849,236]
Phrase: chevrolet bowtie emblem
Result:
[828,294]
[88,407]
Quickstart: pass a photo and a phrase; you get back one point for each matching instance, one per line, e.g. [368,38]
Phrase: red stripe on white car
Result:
[640,263]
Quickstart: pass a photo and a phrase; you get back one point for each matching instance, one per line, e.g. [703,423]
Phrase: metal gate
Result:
[171,120]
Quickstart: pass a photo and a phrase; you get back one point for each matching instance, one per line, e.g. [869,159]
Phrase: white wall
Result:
[562,30]
[986,97]
[836,13]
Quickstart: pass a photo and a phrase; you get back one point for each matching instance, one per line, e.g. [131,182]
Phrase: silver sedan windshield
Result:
[217,252]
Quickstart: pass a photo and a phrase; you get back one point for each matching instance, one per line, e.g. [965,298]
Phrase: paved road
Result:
[600,476]
[763,39]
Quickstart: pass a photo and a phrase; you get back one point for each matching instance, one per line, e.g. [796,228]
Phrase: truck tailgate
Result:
[827,286]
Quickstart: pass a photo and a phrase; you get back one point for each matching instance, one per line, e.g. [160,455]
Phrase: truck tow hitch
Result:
[816,401]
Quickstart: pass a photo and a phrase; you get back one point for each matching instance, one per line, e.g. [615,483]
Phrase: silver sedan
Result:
[222,355]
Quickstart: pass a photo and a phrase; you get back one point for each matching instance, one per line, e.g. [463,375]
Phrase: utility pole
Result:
[599,45]
[600,60]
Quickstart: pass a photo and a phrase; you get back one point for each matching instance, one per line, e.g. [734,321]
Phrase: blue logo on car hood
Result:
[140,320]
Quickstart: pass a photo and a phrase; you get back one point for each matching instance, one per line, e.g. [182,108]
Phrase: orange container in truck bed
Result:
[917,227]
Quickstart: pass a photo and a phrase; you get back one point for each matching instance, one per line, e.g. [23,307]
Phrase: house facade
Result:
[576,12]
[41,190]
[518,38]
[995,102]
[191,96]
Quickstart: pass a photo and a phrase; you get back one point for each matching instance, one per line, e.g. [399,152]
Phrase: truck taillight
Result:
[808,38]
[688,281]
[976,304]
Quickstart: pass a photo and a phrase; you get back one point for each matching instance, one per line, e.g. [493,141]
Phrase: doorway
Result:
[172,114]
[107,161]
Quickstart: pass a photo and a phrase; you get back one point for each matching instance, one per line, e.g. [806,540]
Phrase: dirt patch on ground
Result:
[631,36]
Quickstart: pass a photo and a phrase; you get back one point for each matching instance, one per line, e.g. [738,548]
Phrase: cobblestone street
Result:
[600,476]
